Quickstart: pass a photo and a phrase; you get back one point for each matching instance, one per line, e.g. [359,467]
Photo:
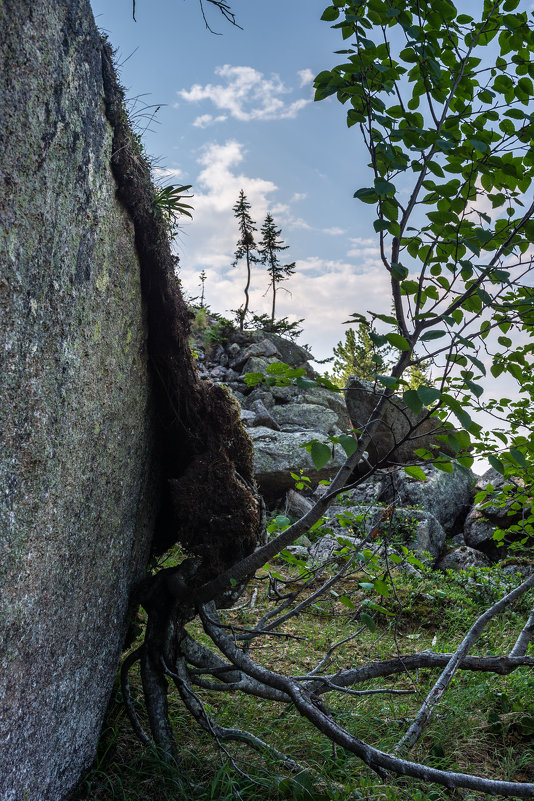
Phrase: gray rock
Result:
[233,350]
[262,394]
[478,530]
[462,559]
[76,459]
[262,416]
[332,400]
[300,551]
[284,394]
[447,496]
[247,417]
[220,356]
[262,348]
[279,453]
[218,373]
[297,505]
[289,351]
[295,416]
[324,549]
[387,442]
[254,364]
[416,529]
[515,568]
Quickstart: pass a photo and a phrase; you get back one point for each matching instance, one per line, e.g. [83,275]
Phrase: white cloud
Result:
[334,231]
[246,95]
[211,239]
[306,77]
[365,251]
[208,119]
[298,196]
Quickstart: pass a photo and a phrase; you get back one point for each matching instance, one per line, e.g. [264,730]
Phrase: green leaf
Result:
[320,454]
[330,14]
[377,339]
[496,464]
[388,380]
[277,368]
[368,621]
[444,465]
[381,588]
[252,379]
[282,521]
[518,458]
[366,585]
[428,335]
[380,225]
[412,400]
[348,444]
[366,195]
[398,342]
[305,383]
[383,187]
[415,472]
[428,395]
[398,271]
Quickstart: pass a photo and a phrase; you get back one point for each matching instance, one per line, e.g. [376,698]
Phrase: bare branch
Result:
[433,697]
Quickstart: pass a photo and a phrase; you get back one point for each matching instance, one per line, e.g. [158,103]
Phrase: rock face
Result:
[76,501]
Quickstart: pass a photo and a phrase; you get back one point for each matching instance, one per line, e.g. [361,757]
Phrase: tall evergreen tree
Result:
[246,247]
[268,248]
[357,356]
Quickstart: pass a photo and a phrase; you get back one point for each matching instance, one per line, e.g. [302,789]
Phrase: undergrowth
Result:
[484,724]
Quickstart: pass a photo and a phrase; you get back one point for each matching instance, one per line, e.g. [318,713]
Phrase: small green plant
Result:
[169,205]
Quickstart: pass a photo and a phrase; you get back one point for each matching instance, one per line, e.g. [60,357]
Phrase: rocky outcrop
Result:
[436,517]
[279,419]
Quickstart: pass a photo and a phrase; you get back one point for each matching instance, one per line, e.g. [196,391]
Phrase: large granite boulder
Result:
[277,454]
[76,495]
[392,439]
[447,496]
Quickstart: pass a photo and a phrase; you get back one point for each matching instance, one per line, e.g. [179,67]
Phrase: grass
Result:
[484,723]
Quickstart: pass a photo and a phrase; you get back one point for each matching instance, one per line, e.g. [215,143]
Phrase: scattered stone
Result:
[247,417]
[263,348]
[284,394]
[262,416]
[255,364]
[523,569]
[297,505]
[478,530]
[261,394]
[324,549]
[462,559]
[290,353]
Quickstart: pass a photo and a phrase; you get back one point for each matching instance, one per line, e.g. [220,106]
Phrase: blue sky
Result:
[237,112]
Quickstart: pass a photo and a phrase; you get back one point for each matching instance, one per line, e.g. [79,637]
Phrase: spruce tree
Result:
[357,356]
[268,248]
[246,247]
